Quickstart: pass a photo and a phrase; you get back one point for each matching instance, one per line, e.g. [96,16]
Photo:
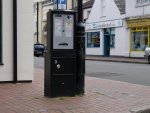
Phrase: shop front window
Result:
[93,39]
[139,40]
[112,41]
[112,38]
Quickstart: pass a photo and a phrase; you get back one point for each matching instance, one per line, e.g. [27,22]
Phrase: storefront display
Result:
[139,40]
[140,34]
[93,39]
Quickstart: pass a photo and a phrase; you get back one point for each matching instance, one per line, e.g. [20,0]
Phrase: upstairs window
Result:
[88,14]
[142,2]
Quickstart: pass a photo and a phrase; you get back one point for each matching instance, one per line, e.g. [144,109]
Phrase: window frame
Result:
[1,32]
[91,39]
[112,39]
[88,13]
[142,2]
[136,30]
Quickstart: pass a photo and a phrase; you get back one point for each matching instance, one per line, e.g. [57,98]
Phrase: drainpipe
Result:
[37,24]
[15,74]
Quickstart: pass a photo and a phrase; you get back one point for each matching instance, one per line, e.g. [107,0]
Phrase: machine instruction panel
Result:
[63,33]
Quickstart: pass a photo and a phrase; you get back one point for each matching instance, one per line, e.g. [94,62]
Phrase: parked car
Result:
[39,49]
[147,54]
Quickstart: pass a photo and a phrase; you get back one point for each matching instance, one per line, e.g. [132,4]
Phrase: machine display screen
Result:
[63,33]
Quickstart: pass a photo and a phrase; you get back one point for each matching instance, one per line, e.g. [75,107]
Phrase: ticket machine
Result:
[61,55]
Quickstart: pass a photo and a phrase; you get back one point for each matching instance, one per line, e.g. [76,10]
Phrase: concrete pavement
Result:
[101,96]
[117,59]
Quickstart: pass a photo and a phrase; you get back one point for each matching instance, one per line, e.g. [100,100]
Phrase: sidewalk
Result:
[101,96]
[117,59]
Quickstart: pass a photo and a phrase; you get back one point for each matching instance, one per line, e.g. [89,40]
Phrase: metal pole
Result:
[1,33]
[80,11]
[80,79]
[15,62]
[37,24]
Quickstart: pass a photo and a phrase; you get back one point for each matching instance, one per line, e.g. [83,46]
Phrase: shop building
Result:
[106,29]
[16,40]
[112,30]
[138,21]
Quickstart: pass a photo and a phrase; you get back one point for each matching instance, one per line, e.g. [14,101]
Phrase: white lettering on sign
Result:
[107,24]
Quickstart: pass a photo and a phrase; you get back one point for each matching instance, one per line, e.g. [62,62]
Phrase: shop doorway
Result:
[106,42]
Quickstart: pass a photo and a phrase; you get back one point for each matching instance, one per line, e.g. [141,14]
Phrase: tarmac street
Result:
[126,72]
[135,73]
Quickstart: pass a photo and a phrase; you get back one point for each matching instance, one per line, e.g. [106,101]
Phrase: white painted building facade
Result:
[25,61]
[101,20]
[108,32]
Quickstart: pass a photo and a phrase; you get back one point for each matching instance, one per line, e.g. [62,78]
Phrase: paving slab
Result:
[101,96]
[117,59]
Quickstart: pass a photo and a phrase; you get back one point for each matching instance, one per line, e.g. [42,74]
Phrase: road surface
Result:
[126,72]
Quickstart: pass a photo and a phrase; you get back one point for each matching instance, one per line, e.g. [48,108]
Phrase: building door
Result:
[106,45]
[107,33]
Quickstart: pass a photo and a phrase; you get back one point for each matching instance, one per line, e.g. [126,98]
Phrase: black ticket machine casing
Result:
[61,55]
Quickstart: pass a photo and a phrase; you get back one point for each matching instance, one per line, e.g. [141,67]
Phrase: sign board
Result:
[60,4]
[106,24]
[63,33]
[138,22]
